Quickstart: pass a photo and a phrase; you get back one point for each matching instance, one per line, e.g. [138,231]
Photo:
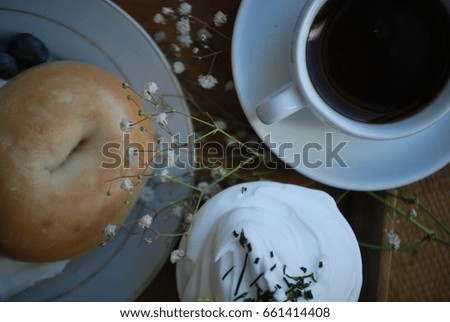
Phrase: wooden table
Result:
[385,277]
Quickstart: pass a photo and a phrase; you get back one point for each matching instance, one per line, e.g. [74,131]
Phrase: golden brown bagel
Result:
[54,120]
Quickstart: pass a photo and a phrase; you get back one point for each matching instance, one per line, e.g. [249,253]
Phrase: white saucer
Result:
[260,66]
[98,32]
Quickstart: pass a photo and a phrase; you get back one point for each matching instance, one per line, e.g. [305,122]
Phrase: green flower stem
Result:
[435,219]
[212,132]
[159,234]
[213,61]
[341,196]
[216,129]
[213,54]
[427,231]
[417,201]
[249,149]
[207,25]
[229,173]
[196,209]
[172,179]
[194,118]
[415,245]
[172,204]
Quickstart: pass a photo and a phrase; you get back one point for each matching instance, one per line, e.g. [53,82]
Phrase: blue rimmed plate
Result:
[100,33]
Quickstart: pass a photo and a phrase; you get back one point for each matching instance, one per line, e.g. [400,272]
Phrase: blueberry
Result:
[8,66]
[27,49]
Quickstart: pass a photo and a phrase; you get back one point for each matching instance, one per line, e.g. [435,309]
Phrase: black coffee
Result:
[377,61]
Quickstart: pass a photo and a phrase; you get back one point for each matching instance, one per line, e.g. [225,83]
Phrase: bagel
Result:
[57,195]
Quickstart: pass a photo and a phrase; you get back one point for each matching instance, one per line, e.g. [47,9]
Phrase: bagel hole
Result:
[72,152]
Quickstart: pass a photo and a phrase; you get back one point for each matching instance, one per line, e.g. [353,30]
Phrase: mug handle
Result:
[279,105]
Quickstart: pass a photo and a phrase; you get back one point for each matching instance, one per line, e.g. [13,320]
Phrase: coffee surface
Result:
[378,61]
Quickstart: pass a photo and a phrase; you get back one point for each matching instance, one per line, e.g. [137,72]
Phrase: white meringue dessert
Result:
[267,241]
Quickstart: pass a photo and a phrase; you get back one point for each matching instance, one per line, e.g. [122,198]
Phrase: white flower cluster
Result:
[149,90]
[126,185]
[220,19]
[159,19]
[132,157]
[185,9]
[393,239]
[161,119]
[184,35]
[178,67]
[207,81]
[145,222]
[176,256]
[208,190]
[110,231]
[126,125]
[147,194]
[165,175]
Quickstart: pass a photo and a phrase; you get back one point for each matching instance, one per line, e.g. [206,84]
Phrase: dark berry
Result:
[8,66]
[28,50]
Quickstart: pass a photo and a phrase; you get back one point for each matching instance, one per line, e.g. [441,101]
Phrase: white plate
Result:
[98,32]
[260,66]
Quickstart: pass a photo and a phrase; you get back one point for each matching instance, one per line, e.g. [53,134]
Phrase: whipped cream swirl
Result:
[262,238]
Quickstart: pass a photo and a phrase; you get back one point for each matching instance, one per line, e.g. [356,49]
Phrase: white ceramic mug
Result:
[300,93]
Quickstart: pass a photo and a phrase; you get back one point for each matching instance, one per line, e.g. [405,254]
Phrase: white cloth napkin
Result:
[17,276]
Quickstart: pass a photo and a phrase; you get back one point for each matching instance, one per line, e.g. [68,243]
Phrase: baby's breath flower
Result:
[185,40]
[176,256]
[221,124]
[161,119]
[412,213]
[165,174]
[126,185]
[229,86]
[160,36]
[393,239]
[169,158]
[131,156]
[168,11]
[110,231]
[126,125]
[178,67]
[188,219]
[145,222]
[230,142]
[149,90]
[203,185]
[184,25]
[184,9]
[195,50]
[220,18]
[147,194]
[177,211]
[159,19]
[241,134]
[149,170]
[174,140]
[207,81]
[132,152]
[160,145]
[208,190]
[218,172]
[203,34]
[175,48]
[148,241]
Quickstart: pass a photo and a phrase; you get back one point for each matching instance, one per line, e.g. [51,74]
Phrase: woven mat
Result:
[422,274]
